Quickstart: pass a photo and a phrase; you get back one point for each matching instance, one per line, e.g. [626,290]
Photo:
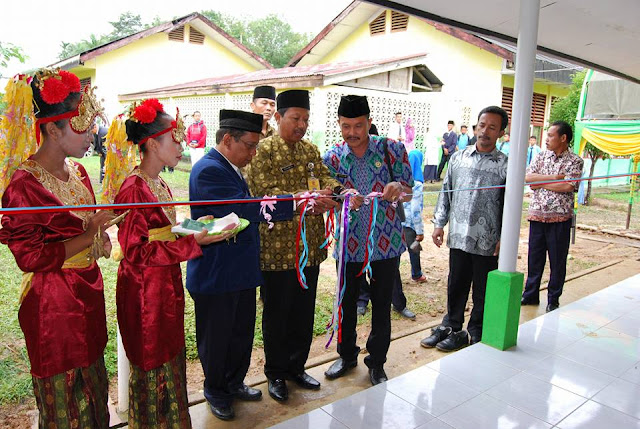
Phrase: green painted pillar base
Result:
[502,309]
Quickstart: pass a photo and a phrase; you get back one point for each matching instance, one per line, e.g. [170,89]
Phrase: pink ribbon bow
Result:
[310,198]
[268,203]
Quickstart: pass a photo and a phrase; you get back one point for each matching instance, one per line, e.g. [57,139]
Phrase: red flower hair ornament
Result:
[56,85]
[147,111]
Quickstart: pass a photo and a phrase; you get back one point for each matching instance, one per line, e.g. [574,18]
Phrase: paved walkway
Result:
[576,367]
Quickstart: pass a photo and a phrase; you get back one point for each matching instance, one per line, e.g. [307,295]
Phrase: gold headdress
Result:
[17,137]
[120,159]
[88,110]
[178,131]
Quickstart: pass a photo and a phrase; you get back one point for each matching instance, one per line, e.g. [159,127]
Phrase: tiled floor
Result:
[576,367]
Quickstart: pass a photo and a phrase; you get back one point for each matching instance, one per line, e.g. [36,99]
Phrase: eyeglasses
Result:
[250,146]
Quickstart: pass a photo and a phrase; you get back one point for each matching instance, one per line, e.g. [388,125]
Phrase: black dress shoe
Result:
[406,313]
[455,341]
[552,306]
[223,413]
[475,339]
[339,368]
[529,302]
[377,376]
[278,389]
[246,393]
[305,381]
[438,334]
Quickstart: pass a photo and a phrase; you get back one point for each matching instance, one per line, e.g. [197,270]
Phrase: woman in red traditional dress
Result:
[62,310]
[149,294]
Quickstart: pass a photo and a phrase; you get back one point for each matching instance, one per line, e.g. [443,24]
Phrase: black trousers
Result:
[552,238]
[287,320]
[225,325]
[464,269]
[398,299]
[443,162]
[383,278]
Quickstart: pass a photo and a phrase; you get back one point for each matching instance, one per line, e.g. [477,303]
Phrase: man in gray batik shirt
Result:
[475,219]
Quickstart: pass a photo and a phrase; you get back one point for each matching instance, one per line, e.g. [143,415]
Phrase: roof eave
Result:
[167,27]
[235,42]
[280,83]
[378,68]
[68,63]
[164,27]
[323,33]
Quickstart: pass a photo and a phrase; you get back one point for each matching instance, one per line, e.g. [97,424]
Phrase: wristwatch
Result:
[336,193]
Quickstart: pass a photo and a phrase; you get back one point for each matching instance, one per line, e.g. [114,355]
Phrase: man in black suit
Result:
[223,281]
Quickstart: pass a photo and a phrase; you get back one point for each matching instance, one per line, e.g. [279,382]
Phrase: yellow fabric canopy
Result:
[614,144]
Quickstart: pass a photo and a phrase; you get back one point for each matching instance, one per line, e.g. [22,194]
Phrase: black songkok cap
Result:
[293,98]
[240,120]
[353,106]
[264,92]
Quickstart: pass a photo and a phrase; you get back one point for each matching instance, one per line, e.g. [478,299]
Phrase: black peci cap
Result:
[353,106]
[264,92]
[293,98]
[240,120]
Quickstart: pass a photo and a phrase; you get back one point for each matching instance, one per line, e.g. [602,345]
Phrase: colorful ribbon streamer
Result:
[305,205]
[329,229]
[335,323]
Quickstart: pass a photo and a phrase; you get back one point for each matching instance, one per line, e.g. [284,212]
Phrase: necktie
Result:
[529,157]
[399,130]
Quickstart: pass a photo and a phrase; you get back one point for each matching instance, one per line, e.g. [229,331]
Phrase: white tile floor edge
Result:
[576,367]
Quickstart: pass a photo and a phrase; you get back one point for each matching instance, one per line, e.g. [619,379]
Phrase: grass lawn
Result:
[619,194]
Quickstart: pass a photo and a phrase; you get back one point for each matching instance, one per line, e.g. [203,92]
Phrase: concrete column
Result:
[520,118]
[504,286]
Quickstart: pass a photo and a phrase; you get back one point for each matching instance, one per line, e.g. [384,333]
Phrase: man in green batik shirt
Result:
[286,161]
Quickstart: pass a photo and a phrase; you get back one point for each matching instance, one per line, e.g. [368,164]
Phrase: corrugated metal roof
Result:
[282,76]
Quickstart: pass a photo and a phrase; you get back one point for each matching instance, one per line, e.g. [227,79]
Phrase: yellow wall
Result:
[550,90]
[471,76]
[84,72]
[155,61]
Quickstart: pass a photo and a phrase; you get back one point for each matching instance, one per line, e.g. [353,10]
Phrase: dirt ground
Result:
[428,300]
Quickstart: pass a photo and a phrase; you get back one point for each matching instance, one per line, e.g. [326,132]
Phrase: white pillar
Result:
[123,376]
[520,117]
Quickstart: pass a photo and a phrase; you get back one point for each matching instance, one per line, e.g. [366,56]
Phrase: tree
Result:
[566,109]
[9,51]
[274,40]
[270,37]
[126,25]
[232,26]
[156,21]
